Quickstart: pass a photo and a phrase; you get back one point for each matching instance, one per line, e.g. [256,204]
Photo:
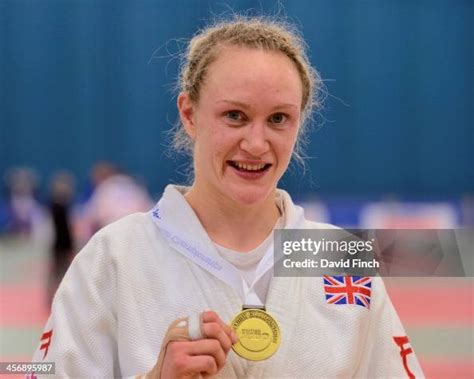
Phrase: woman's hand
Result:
[206,356]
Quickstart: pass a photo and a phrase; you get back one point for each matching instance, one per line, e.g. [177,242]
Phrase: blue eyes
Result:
[237,116]
[234,115]
[277,118]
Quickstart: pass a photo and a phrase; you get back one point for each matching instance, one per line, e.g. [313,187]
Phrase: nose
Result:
[255,141]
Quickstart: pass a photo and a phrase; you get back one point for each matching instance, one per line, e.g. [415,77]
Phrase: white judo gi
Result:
[127,285]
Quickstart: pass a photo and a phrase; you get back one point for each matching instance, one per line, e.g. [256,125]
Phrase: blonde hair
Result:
[255,33]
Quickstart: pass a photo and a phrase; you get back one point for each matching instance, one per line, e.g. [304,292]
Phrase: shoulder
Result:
[129,228]
[295,217]
[320,225]
[131,223]
[131,236]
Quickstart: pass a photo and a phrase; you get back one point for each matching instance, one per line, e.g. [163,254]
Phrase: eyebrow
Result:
[247,106]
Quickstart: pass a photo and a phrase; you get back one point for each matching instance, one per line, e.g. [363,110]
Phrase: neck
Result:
[232,225]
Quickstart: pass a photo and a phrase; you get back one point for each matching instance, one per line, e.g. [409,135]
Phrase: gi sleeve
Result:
[80,334]
[387,352]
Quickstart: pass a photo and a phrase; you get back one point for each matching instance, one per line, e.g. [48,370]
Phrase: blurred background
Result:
[87,95]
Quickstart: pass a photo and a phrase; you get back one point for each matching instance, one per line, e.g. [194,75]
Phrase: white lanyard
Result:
[183,231]
[208,258]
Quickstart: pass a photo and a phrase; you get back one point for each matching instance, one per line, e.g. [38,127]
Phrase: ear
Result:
[186,113]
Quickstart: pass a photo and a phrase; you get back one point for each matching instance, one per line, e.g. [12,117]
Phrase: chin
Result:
[250,196]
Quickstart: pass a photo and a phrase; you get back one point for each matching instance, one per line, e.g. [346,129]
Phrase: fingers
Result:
[209,347]
[210,317]
[188,359]
[214,331]
[185,358]
[202,364]
[210,350]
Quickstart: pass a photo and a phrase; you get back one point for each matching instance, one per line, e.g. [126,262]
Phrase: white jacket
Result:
[128,284]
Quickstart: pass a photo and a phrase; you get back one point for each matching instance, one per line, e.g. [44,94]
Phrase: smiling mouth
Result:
[245,167]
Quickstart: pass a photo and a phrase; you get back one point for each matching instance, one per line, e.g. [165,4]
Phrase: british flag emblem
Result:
[348,290]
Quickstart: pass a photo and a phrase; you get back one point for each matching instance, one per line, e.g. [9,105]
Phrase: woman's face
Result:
[245,123]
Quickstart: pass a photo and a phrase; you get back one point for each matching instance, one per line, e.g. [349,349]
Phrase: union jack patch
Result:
[348,290]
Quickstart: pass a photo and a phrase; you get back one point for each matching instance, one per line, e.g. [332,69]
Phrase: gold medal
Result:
[258,332]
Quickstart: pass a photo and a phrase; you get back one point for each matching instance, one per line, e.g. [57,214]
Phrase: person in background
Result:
[112,195]
[115,197]
[61,196]
[24,210]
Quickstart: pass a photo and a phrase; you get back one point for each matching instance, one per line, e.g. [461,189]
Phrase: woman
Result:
[154,293]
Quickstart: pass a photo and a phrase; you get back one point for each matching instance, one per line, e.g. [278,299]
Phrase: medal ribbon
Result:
[170,213]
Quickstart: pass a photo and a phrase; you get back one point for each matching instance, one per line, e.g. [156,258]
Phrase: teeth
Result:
[250,167]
